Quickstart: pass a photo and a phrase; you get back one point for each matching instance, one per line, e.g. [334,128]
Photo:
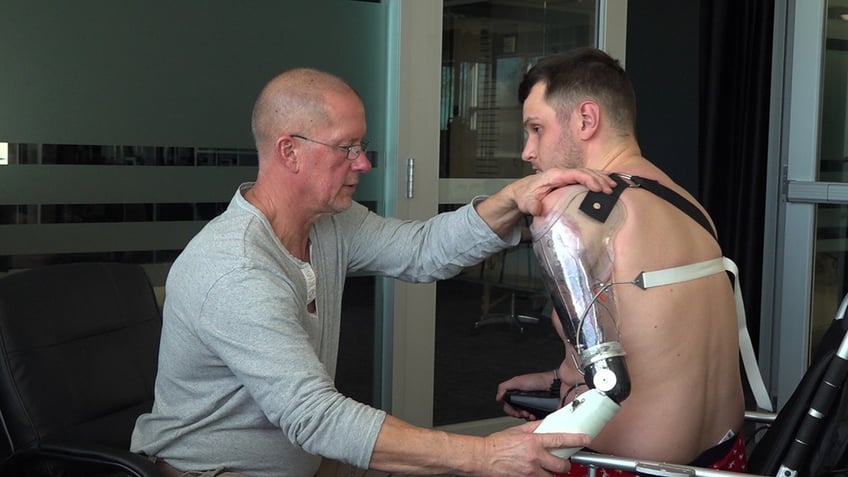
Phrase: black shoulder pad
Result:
[598,205]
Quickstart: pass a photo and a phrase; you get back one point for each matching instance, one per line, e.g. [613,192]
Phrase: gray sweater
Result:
[245,377]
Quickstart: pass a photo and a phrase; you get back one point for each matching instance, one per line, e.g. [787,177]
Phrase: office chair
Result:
[78,356]
[807,437]
[523,281]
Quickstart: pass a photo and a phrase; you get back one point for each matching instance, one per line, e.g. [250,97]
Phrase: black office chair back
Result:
[78,354]
[822,442]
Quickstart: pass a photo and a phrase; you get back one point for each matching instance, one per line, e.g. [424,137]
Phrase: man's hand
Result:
[524,382]
[406,449]
[518,451]
[502,210]
[529,191]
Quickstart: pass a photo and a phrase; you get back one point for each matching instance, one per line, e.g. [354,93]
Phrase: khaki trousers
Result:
[329,468]
[332,468]
[170,471]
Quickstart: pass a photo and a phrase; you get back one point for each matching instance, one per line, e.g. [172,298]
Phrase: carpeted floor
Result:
[469,363]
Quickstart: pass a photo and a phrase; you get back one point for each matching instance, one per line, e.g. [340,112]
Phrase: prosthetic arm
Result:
[576,252]
[573,240]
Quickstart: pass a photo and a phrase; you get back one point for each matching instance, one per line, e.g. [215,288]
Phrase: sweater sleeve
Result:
[419,251]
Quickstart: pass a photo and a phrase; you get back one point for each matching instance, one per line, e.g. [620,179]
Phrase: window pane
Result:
[830,273]
[487,46]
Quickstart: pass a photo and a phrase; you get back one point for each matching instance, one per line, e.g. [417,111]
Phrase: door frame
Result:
[793,193]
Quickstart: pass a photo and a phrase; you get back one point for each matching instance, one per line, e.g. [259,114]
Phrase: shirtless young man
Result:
[680,340]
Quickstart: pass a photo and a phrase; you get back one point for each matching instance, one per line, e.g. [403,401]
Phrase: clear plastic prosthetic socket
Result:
[576,254]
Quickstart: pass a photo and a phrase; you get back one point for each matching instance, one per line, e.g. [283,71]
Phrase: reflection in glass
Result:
[487,47]
[356,365]
[830,275]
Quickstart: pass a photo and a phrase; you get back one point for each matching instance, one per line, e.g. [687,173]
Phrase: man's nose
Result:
[529,152]
[361,163]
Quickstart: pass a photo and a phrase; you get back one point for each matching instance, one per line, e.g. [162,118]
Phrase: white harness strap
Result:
[746,347]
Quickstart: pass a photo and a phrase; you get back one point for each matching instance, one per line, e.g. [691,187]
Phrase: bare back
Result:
[680,339]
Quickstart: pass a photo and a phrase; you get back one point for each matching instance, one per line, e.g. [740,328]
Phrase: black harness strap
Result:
[599,205]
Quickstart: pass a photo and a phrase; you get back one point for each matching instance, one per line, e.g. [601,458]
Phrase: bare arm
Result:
[404,448]
[567,373]
[502,210]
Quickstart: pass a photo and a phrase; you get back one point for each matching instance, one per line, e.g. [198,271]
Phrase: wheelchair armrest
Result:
[647,467]
[760,417]
[79,457]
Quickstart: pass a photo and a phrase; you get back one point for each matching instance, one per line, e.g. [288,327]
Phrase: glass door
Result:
[810,214]
[492,320]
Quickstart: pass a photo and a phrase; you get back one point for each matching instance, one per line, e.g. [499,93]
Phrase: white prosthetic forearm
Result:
[587,414]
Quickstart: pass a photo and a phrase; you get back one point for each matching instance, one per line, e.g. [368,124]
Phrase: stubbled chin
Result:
[343,204]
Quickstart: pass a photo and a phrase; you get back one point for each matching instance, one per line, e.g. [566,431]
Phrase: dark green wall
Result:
[183,73]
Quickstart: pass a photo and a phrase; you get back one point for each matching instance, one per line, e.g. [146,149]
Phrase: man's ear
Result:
[589,113]
[286,153]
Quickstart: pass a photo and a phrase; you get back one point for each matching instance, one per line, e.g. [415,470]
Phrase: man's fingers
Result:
[594,180]
[555,464]
[561,440]
[555,441]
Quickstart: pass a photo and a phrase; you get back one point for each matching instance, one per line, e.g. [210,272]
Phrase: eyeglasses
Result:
[353,151]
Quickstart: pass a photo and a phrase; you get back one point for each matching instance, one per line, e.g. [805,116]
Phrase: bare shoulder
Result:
[645,169]
[657,228]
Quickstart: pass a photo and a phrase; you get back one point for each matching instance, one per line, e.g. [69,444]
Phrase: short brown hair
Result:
[582,73]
